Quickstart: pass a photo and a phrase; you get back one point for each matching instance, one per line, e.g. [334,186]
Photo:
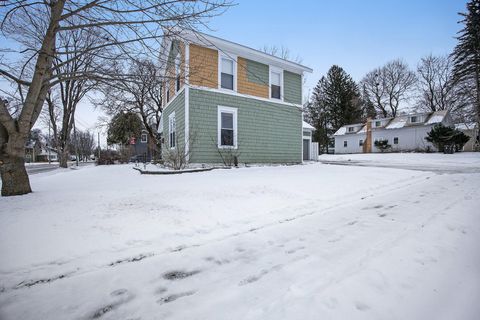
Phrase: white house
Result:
[404,133]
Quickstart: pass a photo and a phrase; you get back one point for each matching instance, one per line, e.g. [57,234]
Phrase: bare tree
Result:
[130,28]
[386,87]
[140,91]
[63,99]
[281,52]
[85,143]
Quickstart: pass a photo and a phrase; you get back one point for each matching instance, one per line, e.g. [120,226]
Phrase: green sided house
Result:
[225,100]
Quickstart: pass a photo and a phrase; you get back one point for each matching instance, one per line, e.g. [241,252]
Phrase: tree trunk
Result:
[12,167]
[63,159]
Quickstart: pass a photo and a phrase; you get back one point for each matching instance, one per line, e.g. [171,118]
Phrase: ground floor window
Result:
[172,130]
[227,127]
[395,140]
[344,144]
[144,138]
[360,142]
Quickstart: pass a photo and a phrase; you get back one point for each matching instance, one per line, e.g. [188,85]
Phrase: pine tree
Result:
[335,102]
[466,55]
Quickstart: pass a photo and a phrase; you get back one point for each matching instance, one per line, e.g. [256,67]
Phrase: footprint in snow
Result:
[175,296]
[178,275]
[361,306]
[120,296]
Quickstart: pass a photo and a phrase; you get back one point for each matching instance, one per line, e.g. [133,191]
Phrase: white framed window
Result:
[167,90]
[143,138]
[177,73]
[395,140]
[276,83]
[345,143]
[414,119]
[227,72]
[172,130]
[227,127]
[350,129]
[378,124]
[360,143]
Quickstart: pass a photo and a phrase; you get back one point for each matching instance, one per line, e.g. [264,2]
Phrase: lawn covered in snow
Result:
[286,242]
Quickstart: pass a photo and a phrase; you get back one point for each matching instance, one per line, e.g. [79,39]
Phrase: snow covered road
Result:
[302,242]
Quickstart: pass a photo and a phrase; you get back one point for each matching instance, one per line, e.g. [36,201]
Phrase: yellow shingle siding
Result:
[248,87]
[203,66]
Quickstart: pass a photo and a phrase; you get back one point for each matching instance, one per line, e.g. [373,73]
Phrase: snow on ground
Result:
[286,242]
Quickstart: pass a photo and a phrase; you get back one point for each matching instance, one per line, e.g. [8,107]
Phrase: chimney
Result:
[367,144]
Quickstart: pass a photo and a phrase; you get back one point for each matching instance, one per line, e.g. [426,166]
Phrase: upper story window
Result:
[276,80]
[350,129]
[414,119]
[143,138]
[360,143]
[227,127]
[378,123]
[345,143]
[227,73]
[177,73]
[172,130]
[167,90]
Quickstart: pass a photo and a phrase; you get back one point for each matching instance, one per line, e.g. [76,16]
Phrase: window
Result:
[276,83]
[360,143]
[344,144]
[144,138]
[172,130]
[413,119]
[350,129]
[227,73]
[177,74]
[167,88]
[227,127]
[395,140]
[378,123]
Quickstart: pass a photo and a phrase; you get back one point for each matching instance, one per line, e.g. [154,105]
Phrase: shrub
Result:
[447,139]
[382,145]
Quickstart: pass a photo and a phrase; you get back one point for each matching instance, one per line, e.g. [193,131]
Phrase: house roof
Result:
[399,122]
[306,125]
[465,126]
[227,46]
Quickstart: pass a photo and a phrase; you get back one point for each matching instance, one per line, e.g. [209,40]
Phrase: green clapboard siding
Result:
[177,105]
[257,72]
[293,87]
[267,132]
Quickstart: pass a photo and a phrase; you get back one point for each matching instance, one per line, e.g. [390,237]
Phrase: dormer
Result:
[354,128]
[416,119]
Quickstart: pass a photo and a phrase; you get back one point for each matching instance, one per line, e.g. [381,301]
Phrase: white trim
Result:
[234,60]
[173,99]
[141,138]
[187,105]
[230,92]
[233,111]
[170,116]
[280,72]
[178,63]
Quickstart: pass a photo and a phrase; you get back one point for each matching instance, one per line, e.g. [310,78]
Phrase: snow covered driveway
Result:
[300,242]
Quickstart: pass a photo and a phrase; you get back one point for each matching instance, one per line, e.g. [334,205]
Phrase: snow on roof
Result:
[306,125]
[437,117]
[397,122]
[465,126]
[343,130]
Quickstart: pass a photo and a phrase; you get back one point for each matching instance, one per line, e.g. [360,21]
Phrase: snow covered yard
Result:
[299,242]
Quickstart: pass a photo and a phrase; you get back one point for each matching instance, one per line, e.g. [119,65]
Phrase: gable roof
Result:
[306,125]
[227,46]
[399,122]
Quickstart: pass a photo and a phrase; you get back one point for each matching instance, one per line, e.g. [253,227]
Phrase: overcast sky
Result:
[357,35]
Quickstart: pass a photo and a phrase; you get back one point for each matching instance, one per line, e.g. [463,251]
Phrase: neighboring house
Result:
[142,149]
[224,98]
[32,150]
[471,130]
[310,148]
[47,154]
[404,133]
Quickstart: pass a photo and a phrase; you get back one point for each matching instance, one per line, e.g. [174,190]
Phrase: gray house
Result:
[225,99]
[404,133]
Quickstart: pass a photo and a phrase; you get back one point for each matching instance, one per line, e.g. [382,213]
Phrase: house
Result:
[47,154]
[404,133]
[471,130]
[223,99]
[142,148]
[32,150]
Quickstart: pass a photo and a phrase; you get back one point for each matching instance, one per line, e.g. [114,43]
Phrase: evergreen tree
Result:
[335,102]
[466,55]
[123,127]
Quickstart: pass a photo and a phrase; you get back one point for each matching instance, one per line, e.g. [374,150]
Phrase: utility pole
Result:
[75,138]
[98,148]
[48,147]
